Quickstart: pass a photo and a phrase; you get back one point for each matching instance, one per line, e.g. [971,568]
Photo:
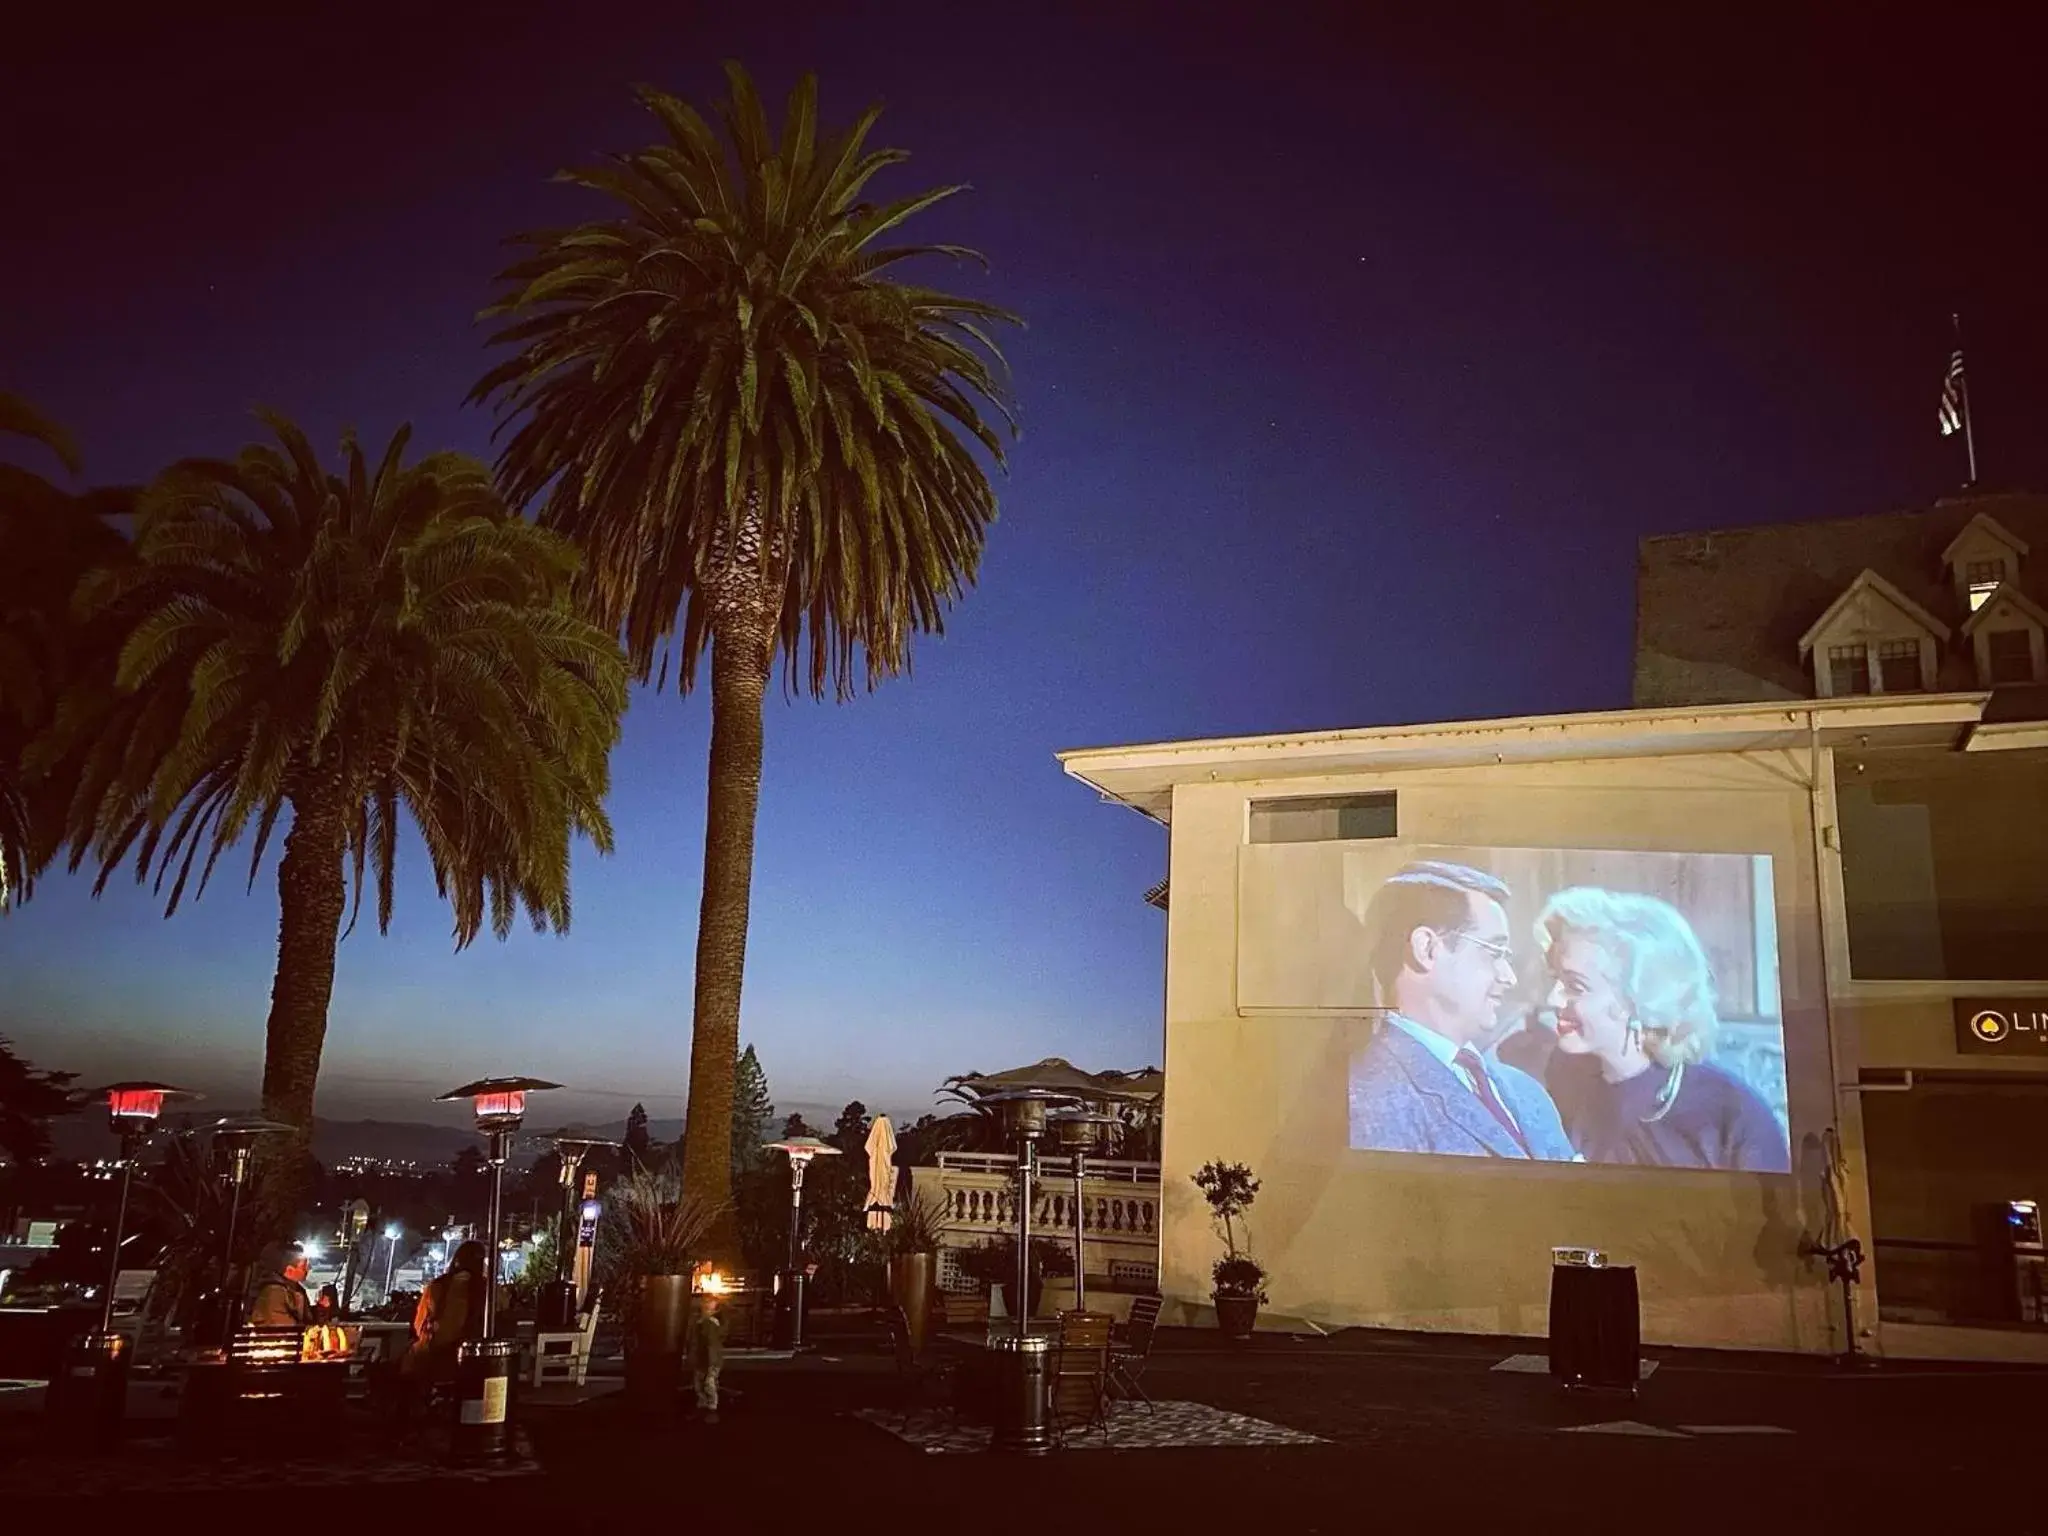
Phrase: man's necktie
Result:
[1483,1086]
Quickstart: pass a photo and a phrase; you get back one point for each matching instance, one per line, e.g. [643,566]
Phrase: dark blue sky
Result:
[1361,352]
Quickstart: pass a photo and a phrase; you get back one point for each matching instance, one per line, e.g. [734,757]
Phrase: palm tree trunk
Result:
[740,658]
[310,898]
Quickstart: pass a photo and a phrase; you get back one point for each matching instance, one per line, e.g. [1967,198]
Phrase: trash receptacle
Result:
[788,1331]
[1023,1372]
[88,1397]
[483,1401]
[1595,1326]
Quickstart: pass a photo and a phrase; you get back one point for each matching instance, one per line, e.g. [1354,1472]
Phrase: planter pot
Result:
[913,1281]
[654,1349]
[1236,1315]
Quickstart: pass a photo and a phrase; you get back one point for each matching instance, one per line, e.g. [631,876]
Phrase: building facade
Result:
[1944,862]
[1834,776]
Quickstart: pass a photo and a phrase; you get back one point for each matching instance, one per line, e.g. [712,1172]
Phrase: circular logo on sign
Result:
[1990,1026]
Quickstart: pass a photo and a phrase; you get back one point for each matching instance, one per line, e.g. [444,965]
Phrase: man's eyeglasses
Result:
[1499,951]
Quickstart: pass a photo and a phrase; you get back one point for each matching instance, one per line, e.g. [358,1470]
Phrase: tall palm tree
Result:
[764,439]
[49,539]
[381,643]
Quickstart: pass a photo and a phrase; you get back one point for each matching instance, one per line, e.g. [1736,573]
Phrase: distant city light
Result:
[312,1248]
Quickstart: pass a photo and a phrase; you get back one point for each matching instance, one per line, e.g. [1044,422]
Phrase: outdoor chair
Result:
[965,1310]
[1128,1359]
[1080,1373]
[132,1291]
[565,1357]
[925,1382]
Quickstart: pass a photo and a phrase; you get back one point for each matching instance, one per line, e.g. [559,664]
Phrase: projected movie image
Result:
[1559,1005]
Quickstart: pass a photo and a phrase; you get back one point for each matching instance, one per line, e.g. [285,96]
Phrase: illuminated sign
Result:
[2001,1026]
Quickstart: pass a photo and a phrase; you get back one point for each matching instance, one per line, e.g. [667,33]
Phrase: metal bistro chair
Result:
[1080,1373]
[1127,1360]
[922,1380]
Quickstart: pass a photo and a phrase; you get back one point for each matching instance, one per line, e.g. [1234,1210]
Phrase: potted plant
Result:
[912,1245]
[658,1236]
[1238,1279]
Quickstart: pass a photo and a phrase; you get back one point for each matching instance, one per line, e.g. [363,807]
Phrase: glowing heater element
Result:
[491,1106]
[135,1103]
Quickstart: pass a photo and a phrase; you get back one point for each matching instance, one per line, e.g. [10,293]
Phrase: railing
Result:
[1109,1170]
[977,1198]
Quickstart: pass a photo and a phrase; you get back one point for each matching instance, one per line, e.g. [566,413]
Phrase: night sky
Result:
[1360,355]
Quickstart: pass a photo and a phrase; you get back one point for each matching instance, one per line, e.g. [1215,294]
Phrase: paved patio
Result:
[1286,1434]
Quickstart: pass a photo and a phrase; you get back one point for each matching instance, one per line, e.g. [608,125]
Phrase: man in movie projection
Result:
[1439,956]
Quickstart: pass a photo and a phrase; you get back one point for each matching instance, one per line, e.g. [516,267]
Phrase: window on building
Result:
[1942,860]
[2010,653]
[1323,818]
[1848,669]
[1898,666]
[1983,577]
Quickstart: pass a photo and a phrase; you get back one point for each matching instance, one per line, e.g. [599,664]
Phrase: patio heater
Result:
[133,1110]
[559,1303]
[500,1105]
[483,1367]
[1025,1114]
[94,1386]
[234,1145]
[1023,1416]
[1082,1131]
[799,1150]
[237,1135]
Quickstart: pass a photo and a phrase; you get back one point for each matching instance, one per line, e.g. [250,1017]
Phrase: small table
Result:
[1595,1326]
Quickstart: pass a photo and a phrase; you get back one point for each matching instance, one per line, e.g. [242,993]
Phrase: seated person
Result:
[450,1310]
[278,1298]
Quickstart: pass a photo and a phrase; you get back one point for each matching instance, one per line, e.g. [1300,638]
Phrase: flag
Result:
[1955,396]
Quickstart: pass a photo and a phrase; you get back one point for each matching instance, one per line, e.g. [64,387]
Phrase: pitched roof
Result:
[1870,581]
[1719,615]
[1062,1076]
[1986,523]
[2006,595]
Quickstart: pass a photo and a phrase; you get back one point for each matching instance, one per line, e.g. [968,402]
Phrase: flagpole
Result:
[1969,416]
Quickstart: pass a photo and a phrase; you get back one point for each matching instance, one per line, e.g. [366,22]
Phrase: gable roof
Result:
[2006,595]
[1719,614]
[1869,581]
[1984,522]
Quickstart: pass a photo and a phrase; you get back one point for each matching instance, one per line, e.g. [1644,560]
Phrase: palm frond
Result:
[722,393]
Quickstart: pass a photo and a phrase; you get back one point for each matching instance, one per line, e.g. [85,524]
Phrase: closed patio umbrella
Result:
[881,1174]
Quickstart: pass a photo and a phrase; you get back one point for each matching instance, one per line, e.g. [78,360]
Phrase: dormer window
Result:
[2009,638]
[1898,666]
[1983,577]
[1981,558]
[1848,669]
[1872,639]
[2008,656]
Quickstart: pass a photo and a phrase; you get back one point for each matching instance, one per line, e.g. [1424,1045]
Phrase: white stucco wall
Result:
[1464,1243]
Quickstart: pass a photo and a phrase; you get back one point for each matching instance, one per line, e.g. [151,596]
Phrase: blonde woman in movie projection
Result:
[1633,999]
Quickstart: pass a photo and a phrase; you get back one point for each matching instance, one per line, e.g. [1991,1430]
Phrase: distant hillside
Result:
[85,1135]
[672,1130]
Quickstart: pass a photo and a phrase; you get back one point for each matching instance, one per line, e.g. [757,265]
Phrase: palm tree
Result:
[360,647]
[49,539]
[764,441]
